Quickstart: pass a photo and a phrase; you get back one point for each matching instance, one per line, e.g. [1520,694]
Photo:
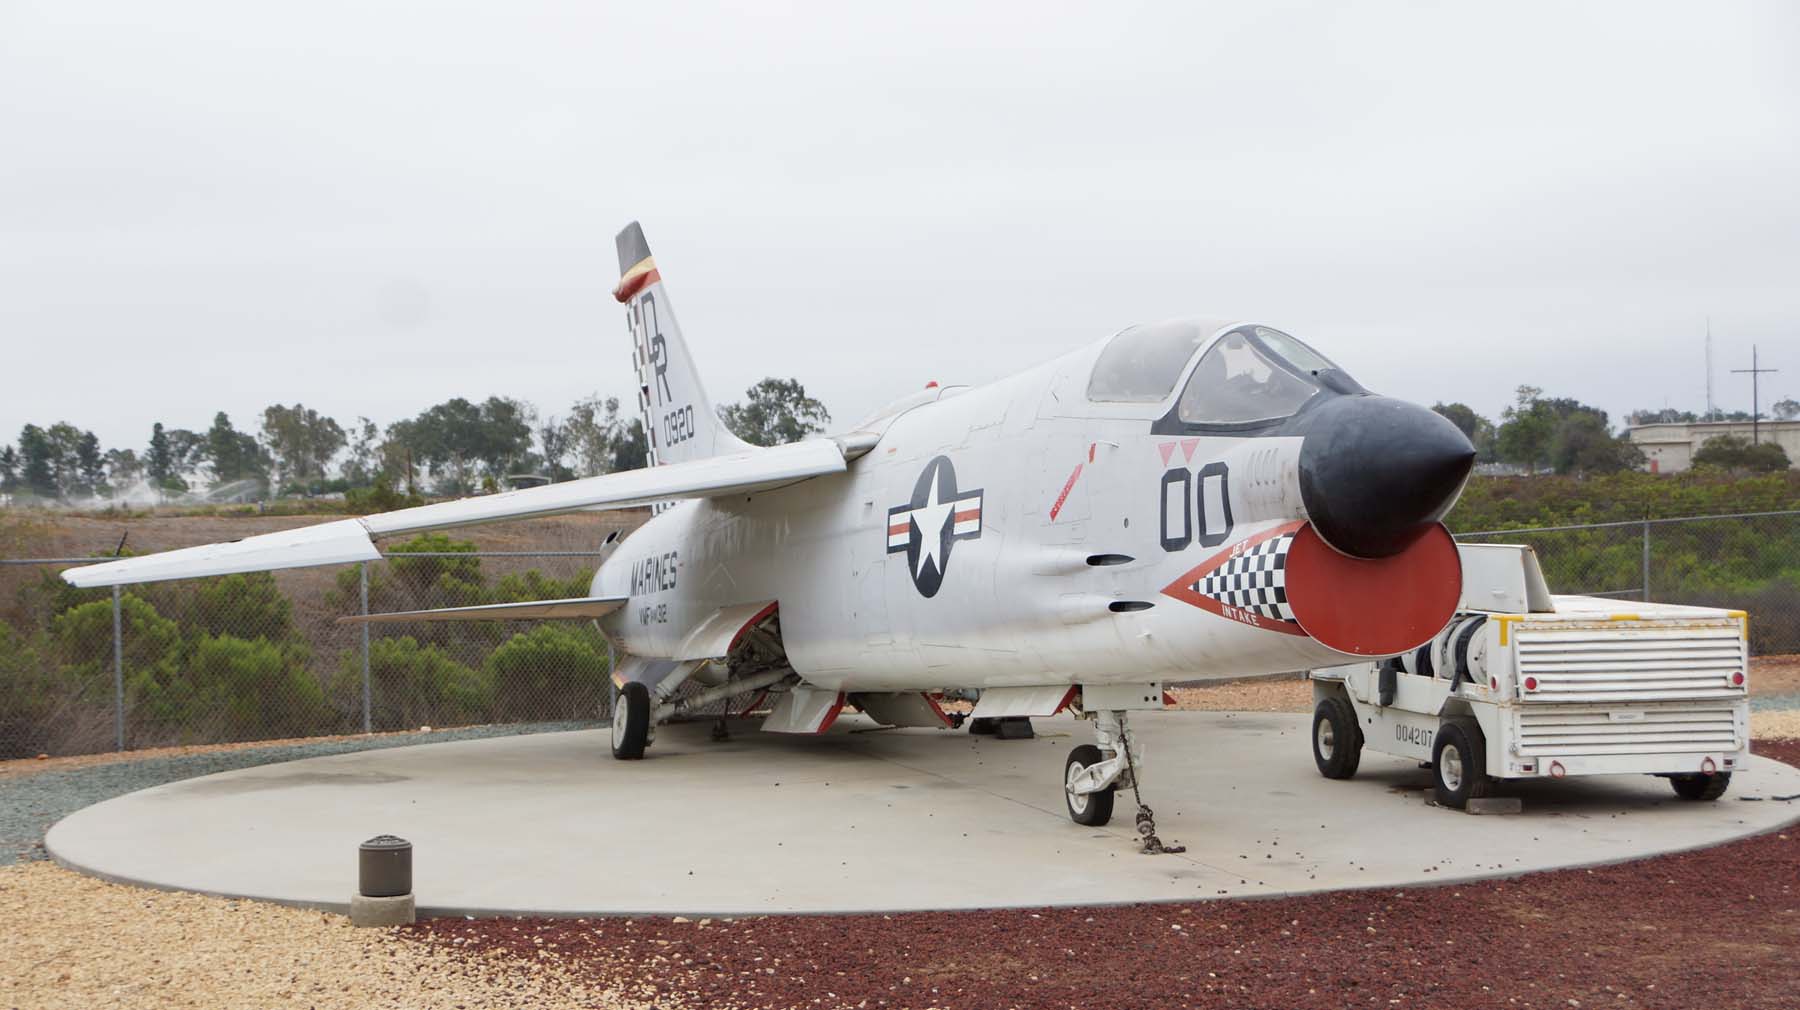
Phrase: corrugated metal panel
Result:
[1576,731]
[1628,662]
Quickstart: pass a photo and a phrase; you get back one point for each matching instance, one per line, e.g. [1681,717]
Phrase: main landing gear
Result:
[631,721]
[1093,774]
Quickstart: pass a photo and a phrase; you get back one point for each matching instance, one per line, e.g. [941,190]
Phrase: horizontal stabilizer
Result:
[536,610]
[347,540]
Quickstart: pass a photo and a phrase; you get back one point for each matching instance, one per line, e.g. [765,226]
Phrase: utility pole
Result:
[1709,372]
[1755,374]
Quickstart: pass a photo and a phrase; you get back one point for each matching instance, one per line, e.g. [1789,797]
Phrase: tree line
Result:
[1560,435]
[453,448]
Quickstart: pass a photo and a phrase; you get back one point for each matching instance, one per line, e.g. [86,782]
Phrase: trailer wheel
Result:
[1336,738]
[1459,764]
[631,721]
[1091,809]
[1701,788]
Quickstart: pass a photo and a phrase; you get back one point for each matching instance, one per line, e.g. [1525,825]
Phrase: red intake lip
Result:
[1358,606]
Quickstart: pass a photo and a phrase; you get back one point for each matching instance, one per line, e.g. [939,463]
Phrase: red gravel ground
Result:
[1717,929]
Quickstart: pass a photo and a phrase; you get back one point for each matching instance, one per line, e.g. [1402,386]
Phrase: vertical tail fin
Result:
[679,421]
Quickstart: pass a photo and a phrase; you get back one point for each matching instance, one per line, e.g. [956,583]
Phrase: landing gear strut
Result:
[1093,774]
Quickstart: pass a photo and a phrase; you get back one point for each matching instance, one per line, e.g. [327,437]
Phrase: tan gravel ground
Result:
[1774,674]
[1778,724]
[1286,694]
[76,942]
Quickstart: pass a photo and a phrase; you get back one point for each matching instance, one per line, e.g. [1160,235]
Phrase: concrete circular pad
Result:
[865,820]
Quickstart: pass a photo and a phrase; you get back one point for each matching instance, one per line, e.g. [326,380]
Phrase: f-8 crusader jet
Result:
[1182,500]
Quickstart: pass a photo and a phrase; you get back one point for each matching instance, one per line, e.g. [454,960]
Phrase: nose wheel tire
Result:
[1459,764]
[1701,788]
[631,722]
[1337,740]
[1090,809]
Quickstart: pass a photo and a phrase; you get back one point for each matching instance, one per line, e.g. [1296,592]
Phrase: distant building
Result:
[1670,448]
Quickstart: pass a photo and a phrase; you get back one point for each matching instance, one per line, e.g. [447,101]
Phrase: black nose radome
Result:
[1376,473]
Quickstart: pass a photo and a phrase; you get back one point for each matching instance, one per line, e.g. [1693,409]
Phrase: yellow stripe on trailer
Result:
[1743,620]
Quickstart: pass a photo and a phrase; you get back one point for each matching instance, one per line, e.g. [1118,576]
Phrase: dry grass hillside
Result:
[33,534]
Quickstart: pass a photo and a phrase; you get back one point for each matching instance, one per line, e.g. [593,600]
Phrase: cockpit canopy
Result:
[1250,375]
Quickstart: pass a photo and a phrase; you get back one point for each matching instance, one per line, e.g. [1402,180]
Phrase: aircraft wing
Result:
[347,540]
[534,610]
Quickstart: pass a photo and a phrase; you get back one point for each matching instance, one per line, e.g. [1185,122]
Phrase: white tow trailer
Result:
[1523,684]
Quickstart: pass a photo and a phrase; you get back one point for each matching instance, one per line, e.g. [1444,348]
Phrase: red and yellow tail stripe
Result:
[641,275]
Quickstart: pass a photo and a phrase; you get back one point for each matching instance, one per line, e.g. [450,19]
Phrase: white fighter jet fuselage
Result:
[1015,533]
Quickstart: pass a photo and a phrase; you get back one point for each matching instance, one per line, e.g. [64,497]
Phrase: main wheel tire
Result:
[1459,764]
[1337,739]
[1091,809]
[631,722]
[1701,788]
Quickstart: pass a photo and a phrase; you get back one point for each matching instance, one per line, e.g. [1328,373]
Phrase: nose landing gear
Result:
[1093,774]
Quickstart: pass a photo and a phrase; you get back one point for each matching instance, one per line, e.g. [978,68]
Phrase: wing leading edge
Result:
[348,540]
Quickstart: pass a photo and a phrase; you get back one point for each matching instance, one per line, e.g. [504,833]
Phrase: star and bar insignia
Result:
[926,527]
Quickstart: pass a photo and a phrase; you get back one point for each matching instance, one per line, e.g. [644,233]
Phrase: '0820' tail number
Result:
[678,425]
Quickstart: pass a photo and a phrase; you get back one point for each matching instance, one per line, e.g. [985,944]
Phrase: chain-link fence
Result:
[1748,562]
[254,657]
[261,656]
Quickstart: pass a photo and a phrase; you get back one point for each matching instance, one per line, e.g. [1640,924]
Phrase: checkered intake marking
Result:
[1255,581]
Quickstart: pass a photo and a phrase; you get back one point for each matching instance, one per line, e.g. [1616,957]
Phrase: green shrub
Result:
[30,693]
[413,685]
[233,689]
[454,582]
[532,584]
[379,497]
[247,605]
[1495,503]
[84,639]
[553,671]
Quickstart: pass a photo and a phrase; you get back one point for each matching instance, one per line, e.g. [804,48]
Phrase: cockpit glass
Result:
[1241,380]
[1143,363]
[1296,353]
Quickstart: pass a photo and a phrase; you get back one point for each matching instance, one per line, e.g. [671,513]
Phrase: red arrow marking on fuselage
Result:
[1054,509]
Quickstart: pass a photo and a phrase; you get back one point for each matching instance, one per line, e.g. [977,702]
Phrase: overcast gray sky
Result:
[372,207]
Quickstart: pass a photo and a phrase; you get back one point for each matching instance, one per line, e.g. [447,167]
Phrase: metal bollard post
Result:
[383,883]
[118,674]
